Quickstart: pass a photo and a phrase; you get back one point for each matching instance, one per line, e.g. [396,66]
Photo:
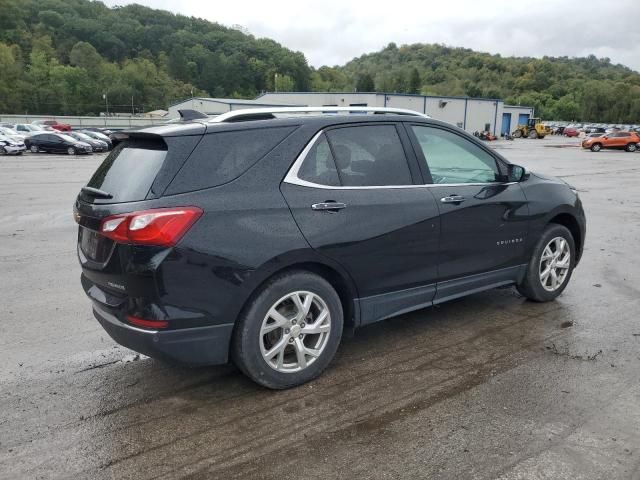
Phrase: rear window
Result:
[129,170]
[222,157]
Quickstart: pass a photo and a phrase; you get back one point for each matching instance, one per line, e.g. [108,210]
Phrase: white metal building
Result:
[513,115]
[471,114]
[216,106]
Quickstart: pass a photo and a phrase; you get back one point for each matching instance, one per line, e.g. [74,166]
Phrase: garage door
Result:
[506,123]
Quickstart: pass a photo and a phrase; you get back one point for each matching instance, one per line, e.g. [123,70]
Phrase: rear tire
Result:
[2,151]
[631,147]
[34,149]
[596,147]
[533,134]
[274,342]
[553,255]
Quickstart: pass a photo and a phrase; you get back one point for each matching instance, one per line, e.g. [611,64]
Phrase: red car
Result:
[570,132]
[61,127]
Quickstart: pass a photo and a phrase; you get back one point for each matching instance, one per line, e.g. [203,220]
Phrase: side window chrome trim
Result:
[292,174]
[293,179]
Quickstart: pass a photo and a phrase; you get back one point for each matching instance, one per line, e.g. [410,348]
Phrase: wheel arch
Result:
[571,223]
[337,277]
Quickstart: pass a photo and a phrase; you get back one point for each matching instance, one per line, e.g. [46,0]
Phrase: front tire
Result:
[596,147]
[551,265]
[34,149]
[289,332]
[71,151]
[533,134]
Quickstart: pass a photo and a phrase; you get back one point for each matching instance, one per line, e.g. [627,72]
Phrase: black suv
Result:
[261,238]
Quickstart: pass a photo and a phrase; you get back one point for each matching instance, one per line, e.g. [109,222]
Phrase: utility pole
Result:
[106,102]
[133,112]
[275,82]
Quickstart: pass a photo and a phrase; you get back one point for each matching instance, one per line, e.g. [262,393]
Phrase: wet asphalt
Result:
[486,387]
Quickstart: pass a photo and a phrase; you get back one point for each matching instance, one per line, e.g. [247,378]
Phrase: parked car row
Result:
[44,137]
[96,137]
[576,129]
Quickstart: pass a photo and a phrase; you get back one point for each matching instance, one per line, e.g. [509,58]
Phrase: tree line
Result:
[560,88]
[62,56]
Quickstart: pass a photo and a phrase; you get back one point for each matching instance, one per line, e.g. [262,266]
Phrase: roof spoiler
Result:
[135,134]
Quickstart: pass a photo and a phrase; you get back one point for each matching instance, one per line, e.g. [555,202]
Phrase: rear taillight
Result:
[162,226]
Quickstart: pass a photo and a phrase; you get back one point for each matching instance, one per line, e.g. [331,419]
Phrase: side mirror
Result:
[517,173]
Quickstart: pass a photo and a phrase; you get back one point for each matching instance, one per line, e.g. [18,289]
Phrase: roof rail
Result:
[268,113]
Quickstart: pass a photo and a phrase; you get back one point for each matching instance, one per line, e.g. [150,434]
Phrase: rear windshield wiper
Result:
[95,192]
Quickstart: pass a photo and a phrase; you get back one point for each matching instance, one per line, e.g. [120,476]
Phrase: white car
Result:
[9,146]
[12,134]
[28,129]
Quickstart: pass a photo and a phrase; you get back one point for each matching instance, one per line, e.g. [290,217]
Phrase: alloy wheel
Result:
[71,151]
[554,264]
[295,331]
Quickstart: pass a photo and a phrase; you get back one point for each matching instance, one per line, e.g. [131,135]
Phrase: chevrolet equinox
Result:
[260,235]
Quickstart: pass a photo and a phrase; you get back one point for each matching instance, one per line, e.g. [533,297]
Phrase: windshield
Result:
[82,136]
[96,135]
[68,138]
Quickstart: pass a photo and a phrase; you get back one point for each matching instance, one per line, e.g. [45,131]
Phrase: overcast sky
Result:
[331,32]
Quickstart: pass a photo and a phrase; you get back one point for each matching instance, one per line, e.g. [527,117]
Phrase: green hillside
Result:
[60,56]
[588,89]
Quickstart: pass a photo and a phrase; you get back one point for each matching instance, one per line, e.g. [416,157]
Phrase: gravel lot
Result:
[489,386]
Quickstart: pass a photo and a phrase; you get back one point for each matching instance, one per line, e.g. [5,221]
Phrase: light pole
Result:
[106,102]
[275,82]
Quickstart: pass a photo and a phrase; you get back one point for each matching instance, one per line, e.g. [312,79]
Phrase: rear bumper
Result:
[197,346]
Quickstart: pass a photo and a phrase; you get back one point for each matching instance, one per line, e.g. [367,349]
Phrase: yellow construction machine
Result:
[532,129]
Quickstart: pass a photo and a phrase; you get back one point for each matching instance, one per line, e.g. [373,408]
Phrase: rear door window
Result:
[369,155]
[129,170]
[319,166]
[223,156]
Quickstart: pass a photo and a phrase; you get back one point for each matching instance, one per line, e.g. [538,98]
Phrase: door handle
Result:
[453,199]
[329,205]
